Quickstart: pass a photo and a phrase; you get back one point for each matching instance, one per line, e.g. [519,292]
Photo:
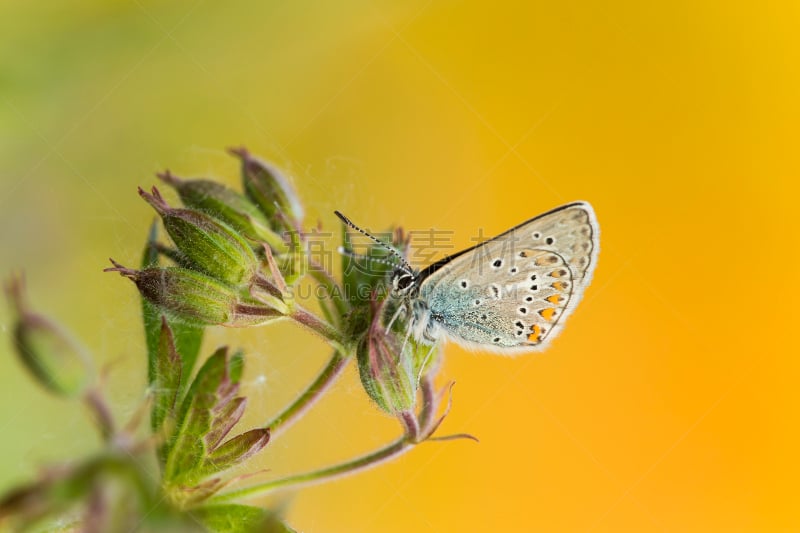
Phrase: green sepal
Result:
[189,297]
[269,189]
[187,335]
[212,246]
[234,451]
[228,206]
[391,364]
[52,356]
[387,375]
[294,264]
[57,363]
[192,297]
[224,418]
[235,518]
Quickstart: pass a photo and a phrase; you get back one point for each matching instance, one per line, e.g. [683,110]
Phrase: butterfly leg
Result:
[400,309]
[425,362]
[406,337]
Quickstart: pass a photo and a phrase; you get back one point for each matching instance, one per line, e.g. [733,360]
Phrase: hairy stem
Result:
[370,460]
[100,413]
[308,397]
[411,425]
[428,402]
[318,326]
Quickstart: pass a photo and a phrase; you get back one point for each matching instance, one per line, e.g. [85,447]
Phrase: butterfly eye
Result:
[404,282]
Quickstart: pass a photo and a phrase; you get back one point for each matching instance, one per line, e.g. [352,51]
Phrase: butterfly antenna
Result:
[361,257]
[376,240]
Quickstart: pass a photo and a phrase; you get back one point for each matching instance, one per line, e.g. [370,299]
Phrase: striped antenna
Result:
[391,249]
[362,257]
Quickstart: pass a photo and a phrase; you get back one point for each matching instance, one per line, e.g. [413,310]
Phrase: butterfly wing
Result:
[514,292]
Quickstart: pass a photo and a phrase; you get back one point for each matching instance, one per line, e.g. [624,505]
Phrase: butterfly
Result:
[508,295]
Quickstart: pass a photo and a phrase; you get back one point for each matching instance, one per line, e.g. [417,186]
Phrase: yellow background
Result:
[669,403]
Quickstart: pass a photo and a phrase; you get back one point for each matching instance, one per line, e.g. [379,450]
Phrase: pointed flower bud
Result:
[268,188]
[195,297]
[57,361]
[211,246]
[388,374]
[226,205]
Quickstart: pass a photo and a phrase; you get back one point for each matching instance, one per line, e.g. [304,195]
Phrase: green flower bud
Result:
[388,375]
[228,206]
[210,245]
[195,297]
[268,188]
[57,361]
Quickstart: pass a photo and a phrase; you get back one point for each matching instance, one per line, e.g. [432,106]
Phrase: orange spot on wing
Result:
[558,273]
[544,260]
[554,299]
[559,285]
[537,333]
[548,313]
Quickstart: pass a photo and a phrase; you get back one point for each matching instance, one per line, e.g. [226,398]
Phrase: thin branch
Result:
[309,397]
[364,462]
[320,327]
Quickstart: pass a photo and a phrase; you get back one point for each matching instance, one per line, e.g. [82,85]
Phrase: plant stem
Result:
[375,458]
[99,410]
[318,326]
[411,425]
[428,402]
[308,397]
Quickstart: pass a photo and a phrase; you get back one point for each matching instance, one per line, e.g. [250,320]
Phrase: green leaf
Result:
[207,381]
[165,388]
[224,418]
[187,337]
[188,449]
[236,366]
[194,419]
[234,451]
[234,518]
[207,414]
